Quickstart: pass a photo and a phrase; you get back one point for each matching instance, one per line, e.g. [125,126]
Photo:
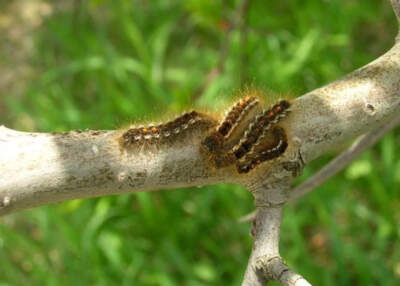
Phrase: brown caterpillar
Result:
[244,137]
[261,124]
[224,137]
[236,115]
[162,133]
[269,146]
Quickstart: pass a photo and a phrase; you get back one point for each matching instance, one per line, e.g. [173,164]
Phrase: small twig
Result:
[343,159]
[223,52]
[247,217]
[396,8]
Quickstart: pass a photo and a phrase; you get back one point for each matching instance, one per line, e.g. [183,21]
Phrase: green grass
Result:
[102,64]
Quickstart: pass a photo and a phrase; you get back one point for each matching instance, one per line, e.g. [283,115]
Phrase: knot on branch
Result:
[274,268]
[268,267]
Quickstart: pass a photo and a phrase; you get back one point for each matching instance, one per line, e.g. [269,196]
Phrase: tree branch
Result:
[43,168]
[265,263]
[343,159]
[266,230]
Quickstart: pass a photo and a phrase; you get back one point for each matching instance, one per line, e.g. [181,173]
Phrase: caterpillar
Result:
[261,124]
[269,146]
[246,137]
[243,137]
[232,120]
[227,134]
[167,132]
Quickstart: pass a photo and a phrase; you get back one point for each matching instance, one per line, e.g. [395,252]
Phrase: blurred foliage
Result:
[100,64]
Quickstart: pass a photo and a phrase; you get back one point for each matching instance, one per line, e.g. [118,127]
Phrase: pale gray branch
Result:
[265,263]
[342,160]
[43,168]
[266,230]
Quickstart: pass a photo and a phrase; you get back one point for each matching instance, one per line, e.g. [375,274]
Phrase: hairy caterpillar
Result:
[260,139]
[219,141]
[261,124]
[246,137]
[269,146]
[167,132]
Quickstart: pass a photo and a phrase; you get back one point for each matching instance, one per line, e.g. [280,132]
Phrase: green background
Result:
[103,64]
